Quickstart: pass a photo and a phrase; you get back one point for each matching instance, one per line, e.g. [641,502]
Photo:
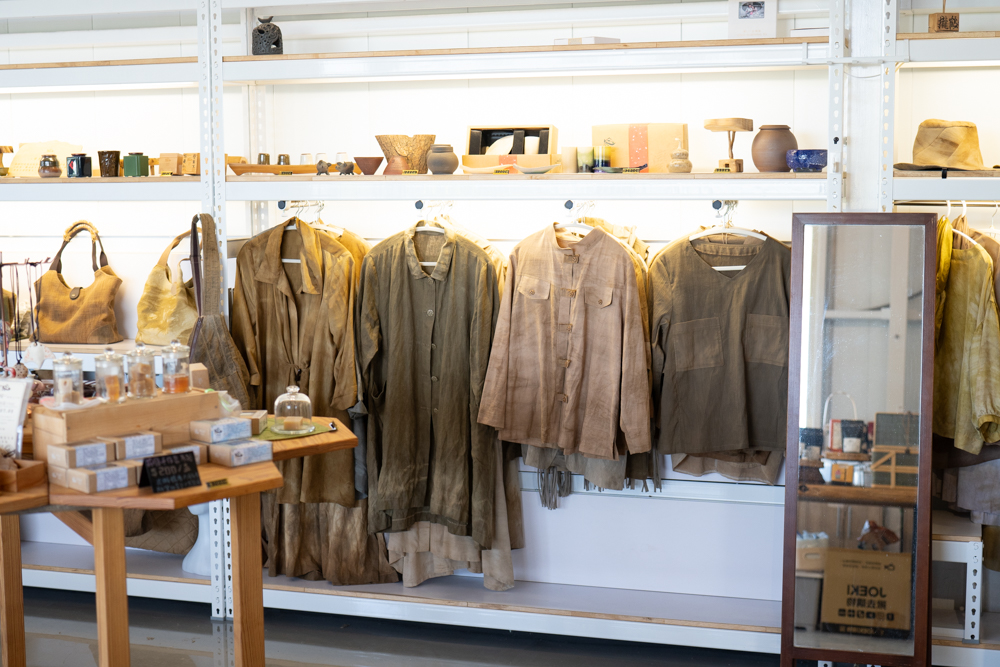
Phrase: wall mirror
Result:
[857,496]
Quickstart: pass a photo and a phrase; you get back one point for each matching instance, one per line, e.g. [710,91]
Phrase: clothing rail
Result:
[942,203]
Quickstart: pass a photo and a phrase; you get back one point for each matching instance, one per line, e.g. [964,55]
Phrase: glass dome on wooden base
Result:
[293,413]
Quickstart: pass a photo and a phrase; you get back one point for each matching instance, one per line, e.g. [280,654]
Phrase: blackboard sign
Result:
[170,472]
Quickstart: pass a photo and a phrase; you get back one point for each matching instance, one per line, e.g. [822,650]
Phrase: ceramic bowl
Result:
[806,159]
[369,165]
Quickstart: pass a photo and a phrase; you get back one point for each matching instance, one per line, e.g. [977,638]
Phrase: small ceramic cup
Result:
[321,157]
[283,159]
[569,160]
[585,159]
[263,158]
[602,156]
[306,158]
[109,163]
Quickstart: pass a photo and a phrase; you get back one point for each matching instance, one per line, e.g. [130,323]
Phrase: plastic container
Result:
[67,375]
[176,369]
[293,413]
[110,371]
[141,372]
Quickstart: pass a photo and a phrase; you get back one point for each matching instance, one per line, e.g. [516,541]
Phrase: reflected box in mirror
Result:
[867,593]
[810,443]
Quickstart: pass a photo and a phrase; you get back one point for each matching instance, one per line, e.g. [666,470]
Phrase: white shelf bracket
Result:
[887,112]
[973,593]
[218,520]
[835,133]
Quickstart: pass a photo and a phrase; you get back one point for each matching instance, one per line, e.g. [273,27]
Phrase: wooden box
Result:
[170,163]
[552,134]
[191,164]
[27,475]
[167,414]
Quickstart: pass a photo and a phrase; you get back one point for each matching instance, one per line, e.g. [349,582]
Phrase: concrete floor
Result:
[62,632]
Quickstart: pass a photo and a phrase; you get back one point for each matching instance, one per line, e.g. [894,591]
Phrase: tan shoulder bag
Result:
[167,309]
[83,315]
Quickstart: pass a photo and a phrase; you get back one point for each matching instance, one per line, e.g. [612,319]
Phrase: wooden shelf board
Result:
[103,63]
[564,600]
[118,180]
[947,527]
[984,173]
[983,34]
[525,177]
[846,456]
[37,496]
[139,563]
[541,48]
[243,480]
[832,493]
[331,441]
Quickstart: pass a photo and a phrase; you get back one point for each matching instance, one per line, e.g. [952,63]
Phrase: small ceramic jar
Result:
[679,162]
[110,371]
[136,164]
[442,159]
[67,376]
[770,147]
[78,165]
[48,167]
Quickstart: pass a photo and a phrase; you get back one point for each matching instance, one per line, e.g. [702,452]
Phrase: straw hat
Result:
[945,144]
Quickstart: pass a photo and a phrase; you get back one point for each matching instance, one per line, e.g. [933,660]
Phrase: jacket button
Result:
[600,303]
[531,291]
[430,313]
[434,378]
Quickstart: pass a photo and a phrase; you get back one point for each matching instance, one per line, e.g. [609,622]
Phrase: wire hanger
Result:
[993,231]
[291,225]
[424,228]
[965,208]
[725,211]
[575,213]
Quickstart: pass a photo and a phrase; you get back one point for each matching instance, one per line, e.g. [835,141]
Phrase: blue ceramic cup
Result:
[806,159]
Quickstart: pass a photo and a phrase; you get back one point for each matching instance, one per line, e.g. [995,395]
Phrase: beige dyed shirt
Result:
[568,365]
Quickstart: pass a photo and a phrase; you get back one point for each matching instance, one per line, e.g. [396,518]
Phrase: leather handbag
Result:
[84,315]
[167,309]
[211,342]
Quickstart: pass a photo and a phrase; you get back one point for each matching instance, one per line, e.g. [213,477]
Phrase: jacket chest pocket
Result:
[766,339]
[533,288]
[598,296]
[697,344]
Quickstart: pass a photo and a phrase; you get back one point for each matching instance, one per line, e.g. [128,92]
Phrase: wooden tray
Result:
[275,169]
[28,474]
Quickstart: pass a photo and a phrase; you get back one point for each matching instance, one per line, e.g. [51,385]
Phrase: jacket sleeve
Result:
[244,325]
[658,294]
[368,345]
[984,358]
[340,320]
[483,445]
[493,407]
[633,415]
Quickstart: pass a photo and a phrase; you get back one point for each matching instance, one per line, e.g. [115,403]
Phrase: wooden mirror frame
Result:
[922,546]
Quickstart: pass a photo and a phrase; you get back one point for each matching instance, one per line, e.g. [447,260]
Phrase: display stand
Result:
[11,594]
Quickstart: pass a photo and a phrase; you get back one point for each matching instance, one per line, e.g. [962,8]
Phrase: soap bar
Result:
[199,376]
[291,423]
[134,467]
[233,454]
[77,454]
[200,451]
[95,479]
[213,431]
[136,445]
[258,420]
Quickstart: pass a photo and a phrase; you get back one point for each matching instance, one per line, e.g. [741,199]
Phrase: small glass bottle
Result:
[293,413]
[67,373]
[141,372]
[110,371]
[176,371]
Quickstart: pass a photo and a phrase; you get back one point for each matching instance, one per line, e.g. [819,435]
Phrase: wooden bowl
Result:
[369,165]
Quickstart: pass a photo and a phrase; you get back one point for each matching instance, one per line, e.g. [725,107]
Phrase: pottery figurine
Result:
[396,166]
[414,148]
[442,159]
[266,39]
[770,146]
[369,165]
[48,167]
[679,162]
[323,168]
[345,168]
[108,161]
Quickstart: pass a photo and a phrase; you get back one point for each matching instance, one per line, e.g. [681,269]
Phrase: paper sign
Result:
[170,472]
[14,396]
[753,19]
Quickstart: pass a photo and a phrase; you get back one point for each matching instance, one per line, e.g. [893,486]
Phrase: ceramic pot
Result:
[396,166]
[136,164]
[414,148]
[109,163]
[48,167]
[679,162]
[770,146]
[78,165]
[809,160]
[369,165]
[442,159]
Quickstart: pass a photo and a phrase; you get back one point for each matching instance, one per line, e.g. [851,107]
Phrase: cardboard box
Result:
[135,445]
[234,454]
[810,559]
[78,454]
[93,479]
[212,431]
[646,145]
[258,420]
[867,593]
[199,450]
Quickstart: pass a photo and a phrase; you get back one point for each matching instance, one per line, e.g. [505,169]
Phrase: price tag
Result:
[166,173]
[631,170]
[218,482]
[502,170]
[410,172]
[722,170]
[286,173]
[170,472]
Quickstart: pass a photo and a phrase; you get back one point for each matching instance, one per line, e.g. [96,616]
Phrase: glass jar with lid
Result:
[176,370]
[293,413]
[141,372]
[67,375]
[110,371]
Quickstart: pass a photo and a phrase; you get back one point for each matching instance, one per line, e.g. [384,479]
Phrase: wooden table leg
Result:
[112,598]
[248,585]
[11,593]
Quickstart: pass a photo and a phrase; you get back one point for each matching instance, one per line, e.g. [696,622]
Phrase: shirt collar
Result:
[272,269]
[590,240]
[440,271]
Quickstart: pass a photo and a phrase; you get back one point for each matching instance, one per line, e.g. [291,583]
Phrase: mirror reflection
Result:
[859,437]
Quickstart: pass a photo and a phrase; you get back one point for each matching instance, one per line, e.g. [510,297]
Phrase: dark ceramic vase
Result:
[770,147]
[109,161]
[48,167]
[442,159]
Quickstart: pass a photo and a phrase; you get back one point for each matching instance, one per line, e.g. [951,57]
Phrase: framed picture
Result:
[753,19]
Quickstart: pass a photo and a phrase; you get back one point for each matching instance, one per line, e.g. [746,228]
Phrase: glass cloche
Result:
[293,413]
